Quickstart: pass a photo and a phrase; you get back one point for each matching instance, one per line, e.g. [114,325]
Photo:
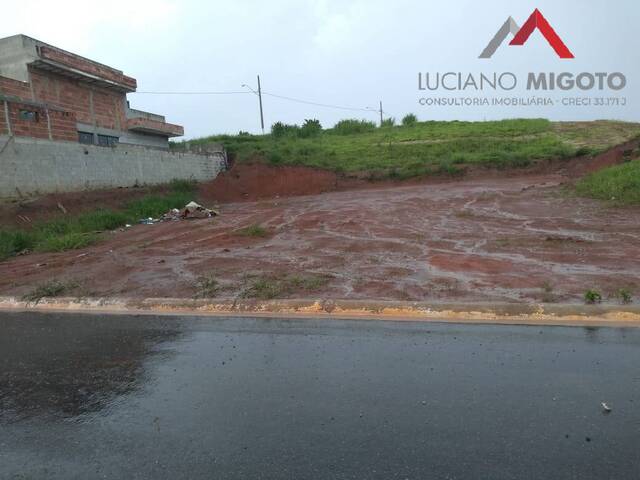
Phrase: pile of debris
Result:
[191,210]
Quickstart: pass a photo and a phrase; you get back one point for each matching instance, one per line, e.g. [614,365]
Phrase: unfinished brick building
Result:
[48,93]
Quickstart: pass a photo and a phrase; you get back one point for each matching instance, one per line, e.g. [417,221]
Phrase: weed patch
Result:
[206,287]
[254,230]
[53,288]
[267,287]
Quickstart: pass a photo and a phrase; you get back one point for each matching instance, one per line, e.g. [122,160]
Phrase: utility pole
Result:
[260,100]
[380,112]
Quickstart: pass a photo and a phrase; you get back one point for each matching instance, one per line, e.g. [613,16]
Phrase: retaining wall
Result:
[31,166]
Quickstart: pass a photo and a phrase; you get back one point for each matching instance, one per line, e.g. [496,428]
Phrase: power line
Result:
[242,92]
[261,92]
[307,102]
[195,93]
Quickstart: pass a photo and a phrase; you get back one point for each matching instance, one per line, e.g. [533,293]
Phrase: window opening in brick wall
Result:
[107,140]
[85,137]
[28,115]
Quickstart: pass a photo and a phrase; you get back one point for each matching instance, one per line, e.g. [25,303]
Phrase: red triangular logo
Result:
[537,20]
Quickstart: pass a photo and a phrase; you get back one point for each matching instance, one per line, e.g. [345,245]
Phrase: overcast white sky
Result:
[344,52]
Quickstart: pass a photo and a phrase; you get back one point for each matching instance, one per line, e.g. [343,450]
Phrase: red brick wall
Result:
[63,125]
[82,102]
[87,66]
[37,128]
[108,108]
[75,96]
[14,88]
[169,128]
[3,123]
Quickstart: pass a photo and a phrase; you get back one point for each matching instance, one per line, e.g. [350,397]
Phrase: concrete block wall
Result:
[30,167]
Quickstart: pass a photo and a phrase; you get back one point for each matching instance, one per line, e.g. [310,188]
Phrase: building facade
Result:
[48,93]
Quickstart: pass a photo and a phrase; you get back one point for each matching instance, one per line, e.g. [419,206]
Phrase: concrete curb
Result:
[496,313]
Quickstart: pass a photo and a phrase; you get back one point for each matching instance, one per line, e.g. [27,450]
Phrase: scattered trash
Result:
[194,210]
[173,214]
[127,226]
[605,408]
[191,210]
[26,251]
[62,209]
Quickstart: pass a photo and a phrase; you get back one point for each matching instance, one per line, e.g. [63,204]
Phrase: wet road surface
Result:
[222,398]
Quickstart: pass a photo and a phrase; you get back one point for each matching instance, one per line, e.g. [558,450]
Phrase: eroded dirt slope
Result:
[510,239]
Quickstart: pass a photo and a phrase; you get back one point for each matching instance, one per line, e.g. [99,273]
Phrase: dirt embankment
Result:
[259,181]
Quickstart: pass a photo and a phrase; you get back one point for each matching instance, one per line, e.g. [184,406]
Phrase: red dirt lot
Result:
[485,239]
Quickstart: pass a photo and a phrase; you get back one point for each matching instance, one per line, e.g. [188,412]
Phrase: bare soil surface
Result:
[486,239]
[489,236]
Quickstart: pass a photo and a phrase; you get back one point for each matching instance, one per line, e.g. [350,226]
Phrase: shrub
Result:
[624,295]
[310,128]
[592,296]
[274,158]
[279,129]
[350,126]
[409,119]
[388,122]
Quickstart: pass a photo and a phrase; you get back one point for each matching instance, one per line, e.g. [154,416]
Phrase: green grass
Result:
[154,205]
[66,241]
[619,184]
[426,148]
[72,232]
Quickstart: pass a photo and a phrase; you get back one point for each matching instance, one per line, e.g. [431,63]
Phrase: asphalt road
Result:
[175,397]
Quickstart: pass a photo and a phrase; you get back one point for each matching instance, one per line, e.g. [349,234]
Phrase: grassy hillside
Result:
[619,184]
[423,147]
[78,231]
